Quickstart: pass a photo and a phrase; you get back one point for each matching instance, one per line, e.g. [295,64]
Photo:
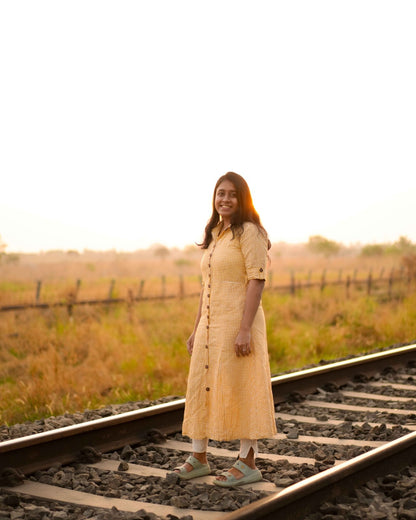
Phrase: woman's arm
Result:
[252,302]
[190,342]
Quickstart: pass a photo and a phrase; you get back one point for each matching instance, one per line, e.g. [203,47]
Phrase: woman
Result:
[229,392]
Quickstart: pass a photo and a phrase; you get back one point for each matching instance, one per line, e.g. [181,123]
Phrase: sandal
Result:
[199,469]
[249,476]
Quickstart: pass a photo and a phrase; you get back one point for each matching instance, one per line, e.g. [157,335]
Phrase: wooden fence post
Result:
[323,280]
[181,286]
[347,286]
[72,298]
[130,301]
[111,289]
[292,283]
[391,282]
[77,288]
[369,282]
[140,293]
[38,288]
[163,286]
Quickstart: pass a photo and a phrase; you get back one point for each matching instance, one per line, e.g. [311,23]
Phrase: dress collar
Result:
[220,230]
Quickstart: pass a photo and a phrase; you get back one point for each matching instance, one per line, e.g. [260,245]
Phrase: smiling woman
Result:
[229,394]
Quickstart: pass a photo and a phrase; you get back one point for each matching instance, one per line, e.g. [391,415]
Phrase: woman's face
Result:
[226,202]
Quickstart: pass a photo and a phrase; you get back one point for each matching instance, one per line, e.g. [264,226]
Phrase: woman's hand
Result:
[242,343]
[190,343]
[253,297]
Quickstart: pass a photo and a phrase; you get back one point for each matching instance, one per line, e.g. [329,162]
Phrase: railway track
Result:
[339,425]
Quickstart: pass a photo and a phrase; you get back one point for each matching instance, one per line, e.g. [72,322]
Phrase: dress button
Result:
[206,346]
[206,366]
[207,326]
[207,388]
[261,269]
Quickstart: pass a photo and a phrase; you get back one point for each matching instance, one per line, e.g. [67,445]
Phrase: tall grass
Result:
[51,364]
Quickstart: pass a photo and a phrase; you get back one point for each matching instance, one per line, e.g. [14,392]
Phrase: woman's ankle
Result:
[201,457]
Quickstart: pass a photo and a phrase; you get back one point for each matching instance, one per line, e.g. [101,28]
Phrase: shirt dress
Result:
[230,397]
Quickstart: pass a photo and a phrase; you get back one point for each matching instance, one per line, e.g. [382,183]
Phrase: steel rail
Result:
[63,445]
[306,381]
[305,497]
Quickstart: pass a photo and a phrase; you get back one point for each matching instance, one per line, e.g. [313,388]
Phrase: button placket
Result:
[207,388]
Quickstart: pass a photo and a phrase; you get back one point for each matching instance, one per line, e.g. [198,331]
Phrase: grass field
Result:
[51,363]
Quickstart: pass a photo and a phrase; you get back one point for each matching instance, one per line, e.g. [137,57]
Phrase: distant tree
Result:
[11,258]
[160,251]
[402,246]
[323,246]
[373,250]
[182,262]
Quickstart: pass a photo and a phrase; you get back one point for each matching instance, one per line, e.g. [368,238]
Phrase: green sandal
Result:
[200,470]
[250,476]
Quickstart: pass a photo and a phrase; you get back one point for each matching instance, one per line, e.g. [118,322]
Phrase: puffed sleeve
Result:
[253,243]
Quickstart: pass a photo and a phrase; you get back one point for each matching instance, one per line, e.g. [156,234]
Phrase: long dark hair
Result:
[246,211]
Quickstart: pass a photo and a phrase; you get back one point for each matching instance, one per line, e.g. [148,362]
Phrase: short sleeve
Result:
[254,248]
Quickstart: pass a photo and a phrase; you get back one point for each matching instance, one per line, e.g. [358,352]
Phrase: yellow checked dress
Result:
[230,397]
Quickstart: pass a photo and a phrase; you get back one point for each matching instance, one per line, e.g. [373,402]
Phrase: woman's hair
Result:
[246,211]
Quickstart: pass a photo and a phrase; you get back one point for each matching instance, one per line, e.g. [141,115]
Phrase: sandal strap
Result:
[241,466]
[194,462]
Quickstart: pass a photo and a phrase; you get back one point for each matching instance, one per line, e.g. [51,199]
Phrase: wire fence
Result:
[129,292]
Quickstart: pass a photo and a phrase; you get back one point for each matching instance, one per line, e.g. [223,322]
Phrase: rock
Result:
[292,433]
[283,482]
[320,454]
[89,455]
[11,477]
[11,500]
[410,503]
[17,515]
[172,478]
[127,452]
[179,501]
[155,436]
[407,514]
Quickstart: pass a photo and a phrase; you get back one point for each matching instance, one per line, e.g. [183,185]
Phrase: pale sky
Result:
[117,118]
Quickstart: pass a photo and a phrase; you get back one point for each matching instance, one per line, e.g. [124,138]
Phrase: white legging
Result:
[201,445]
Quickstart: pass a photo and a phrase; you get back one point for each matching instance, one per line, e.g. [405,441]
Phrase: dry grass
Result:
[50,363]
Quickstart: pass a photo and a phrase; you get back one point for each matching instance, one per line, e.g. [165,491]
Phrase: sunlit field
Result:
[52,362]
